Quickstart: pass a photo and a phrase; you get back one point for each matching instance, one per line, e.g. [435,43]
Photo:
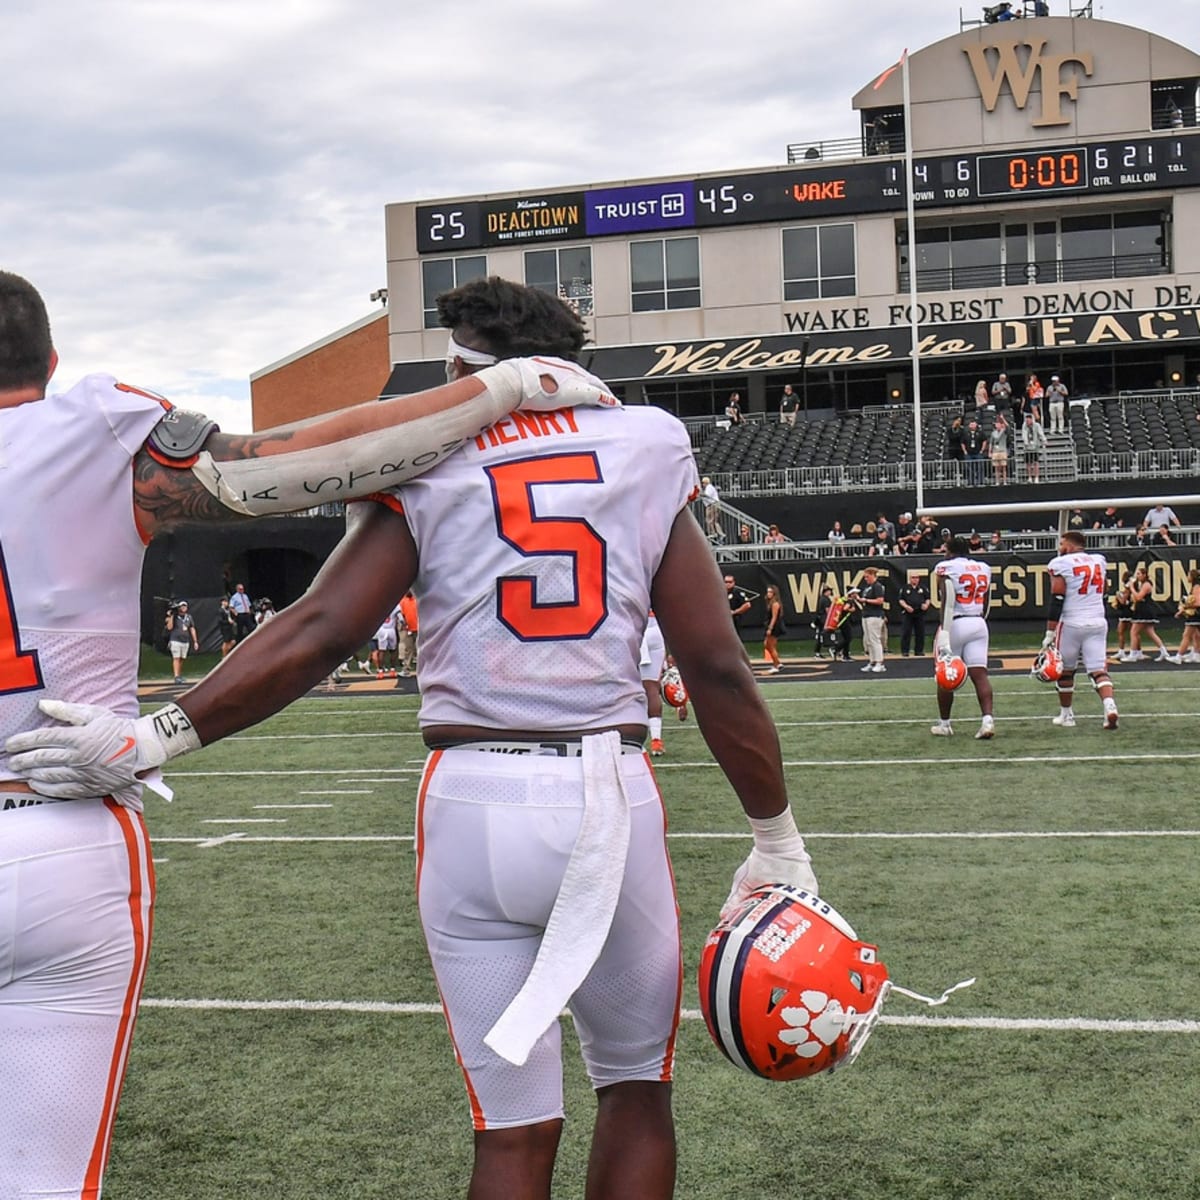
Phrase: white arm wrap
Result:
[374,446]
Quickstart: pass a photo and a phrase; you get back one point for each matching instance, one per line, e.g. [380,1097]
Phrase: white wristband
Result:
[777,834]
[169,730]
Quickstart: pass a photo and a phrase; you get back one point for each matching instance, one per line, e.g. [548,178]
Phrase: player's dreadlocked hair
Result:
[24,334]
[957,547]
[511,320]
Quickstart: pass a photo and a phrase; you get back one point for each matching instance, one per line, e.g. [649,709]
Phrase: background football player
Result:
[964,589]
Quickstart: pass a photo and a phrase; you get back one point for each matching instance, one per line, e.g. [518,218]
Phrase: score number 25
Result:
[446,226]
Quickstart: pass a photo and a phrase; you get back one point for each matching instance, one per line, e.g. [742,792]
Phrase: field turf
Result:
[290,1044]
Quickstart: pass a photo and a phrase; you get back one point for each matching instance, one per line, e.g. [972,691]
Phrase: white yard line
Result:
[1000,1024]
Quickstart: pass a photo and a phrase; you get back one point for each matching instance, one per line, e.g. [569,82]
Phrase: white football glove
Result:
[96,753]
[518,382]
[941,643]
[778,856]
[1049,639]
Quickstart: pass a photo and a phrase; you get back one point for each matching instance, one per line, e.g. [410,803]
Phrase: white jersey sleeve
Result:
[538,543]
[70,550]
[1086,577]
[971,582]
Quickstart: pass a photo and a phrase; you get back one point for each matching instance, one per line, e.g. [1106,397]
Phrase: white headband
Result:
[477,358]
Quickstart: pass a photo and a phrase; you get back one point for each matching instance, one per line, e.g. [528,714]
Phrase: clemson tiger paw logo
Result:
[816,1023]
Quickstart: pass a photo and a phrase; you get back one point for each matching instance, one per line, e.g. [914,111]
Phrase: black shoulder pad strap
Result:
[180,434]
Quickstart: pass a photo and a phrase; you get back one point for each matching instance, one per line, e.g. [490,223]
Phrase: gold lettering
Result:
[1108,329]
[1146,325]
[1020,79]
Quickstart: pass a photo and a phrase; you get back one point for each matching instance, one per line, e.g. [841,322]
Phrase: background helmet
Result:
[1048,666]
[950,672]
[673,690]
[786,988]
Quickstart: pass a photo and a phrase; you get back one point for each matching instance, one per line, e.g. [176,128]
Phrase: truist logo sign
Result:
[996,63]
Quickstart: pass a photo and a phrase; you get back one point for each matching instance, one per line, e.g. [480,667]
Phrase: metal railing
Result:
[1116,266]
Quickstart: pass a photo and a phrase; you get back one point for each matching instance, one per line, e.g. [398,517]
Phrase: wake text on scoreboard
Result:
[816,190]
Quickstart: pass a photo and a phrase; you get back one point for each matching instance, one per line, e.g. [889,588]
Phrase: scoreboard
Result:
[814,190]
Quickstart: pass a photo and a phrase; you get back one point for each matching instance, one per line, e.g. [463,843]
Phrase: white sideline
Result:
[1003,1024]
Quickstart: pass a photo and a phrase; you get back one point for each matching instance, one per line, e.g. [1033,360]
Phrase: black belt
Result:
[559,749]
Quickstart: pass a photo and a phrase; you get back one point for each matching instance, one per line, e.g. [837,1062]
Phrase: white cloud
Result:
[199,190]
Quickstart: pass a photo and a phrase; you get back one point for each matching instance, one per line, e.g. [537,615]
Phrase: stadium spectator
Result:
[1034,395]
[181,636]
[995,544]
[773,629]
[1189,613]
[974,445]
[975,543]
[1056,404]
[998,450]
[954,445]
[409,633]
[924,536]
[243,610]
[914,603]
[595,838]
[78,882]
[1078,626]
[983,397]
[739,602]
[836,538]
[1108,519]
[1121,604]
[881,543]
[745,535]
[773,537]
[882,521]
[226,627]
[733,410]
[1002,394]
[822,636]
[903,532]
[964,589]
[1146,614]
[1033,446]
[1160,516]
[710,498]
[789,406]
[1078,519]
[874,619]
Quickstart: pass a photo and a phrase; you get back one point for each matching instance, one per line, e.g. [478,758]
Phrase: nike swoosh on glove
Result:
[761,870]
[96,753]
[522,377]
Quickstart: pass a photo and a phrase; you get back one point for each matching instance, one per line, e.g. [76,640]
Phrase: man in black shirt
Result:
[914,603]
[739,602]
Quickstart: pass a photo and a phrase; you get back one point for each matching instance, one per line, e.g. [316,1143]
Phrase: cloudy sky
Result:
[198,189]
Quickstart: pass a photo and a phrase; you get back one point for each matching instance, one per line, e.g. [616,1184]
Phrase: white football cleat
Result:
[941,730]
[986,730]
[1111,716]
[1191,657]
[1064,719]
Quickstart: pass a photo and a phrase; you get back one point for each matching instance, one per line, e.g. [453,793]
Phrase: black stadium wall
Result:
[275,557]
[1020,582]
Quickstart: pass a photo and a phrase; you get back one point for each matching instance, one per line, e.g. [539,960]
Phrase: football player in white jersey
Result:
[1078,625]
[964,592]
[650,662]
[542,875]
[87,477]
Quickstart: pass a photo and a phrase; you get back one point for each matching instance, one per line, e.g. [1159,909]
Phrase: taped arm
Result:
[350,453]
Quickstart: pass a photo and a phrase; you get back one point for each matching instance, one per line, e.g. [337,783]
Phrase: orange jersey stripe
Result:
[141,901]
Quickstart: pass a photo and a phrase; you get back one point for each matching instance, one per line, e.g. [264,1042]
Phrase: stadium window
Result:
[439,275]
[565,273]
[818,261]
[664,274]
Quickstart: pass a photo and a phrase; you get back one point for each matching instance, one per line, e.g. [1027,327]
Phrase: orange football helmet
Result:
[786,988]
[673,690]
[1048,666]
[950,672]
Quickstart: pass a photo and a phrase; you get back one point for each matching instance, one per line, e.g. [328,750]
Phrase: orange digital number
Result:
[1091,578]
[517,603]
[19,669]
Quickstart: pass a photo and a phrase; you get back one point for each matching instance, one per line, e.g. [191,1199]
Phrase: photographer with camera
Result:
[181,635]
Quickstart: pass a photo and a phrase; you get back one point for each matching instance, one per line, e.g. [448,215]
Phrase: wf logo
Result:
[1048,68]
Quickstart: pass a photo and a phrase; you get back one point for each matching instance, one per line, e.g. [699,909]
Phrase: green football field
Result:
[290,1044]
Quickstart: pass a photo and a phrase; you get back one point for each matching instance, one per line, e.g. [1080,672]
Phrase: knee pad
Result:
[1101,679]
[1065,685]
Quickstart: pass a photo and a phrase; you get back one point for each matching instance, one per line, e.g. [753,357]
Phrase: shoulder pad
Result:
[180,435]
